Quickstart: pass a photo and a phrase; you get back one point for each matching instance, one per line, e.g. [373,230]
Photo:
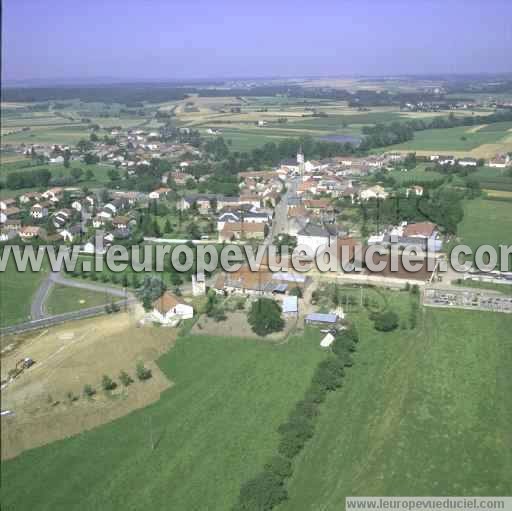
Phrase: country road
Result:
[37,309]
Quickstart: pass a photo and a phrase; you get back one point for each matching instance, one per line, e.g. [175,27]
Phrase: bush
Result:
[71,397]
[385,321]
[263,492]
[279,466]
[89,390]
[329,373]
[143,373]
[125,378]
[107,383]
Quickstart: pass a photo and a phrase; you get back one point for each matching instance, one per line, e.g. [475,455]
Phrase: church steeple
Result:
[300,161]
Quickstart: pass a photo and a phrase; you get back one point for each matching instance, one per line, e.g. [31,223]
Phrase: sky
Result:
[179,40]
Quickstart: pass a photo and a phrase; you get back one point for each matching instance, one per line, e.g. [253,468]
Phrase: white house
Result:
[169,310]
[468,162]
[374,192]
[38,211]
[313,236]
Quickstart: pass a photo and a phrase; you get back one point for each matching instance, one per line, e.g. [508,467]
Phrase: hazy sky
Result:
[174,39]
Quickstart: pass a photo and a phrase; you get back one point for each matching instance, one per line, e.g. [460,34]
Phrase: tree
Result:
[90,159]
[125,378]
[76,173]
[67,158]
[89,390]
[385,321]
[265,317]
[107,383]
[167,227]
[262,493]
[89,175]
[143,373]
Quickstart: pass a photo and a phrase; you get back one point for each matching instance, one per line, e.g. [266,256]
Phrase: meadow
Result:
[486,222]
[67,299]
[422,412]
[16,291]
[214,429]
[486,141]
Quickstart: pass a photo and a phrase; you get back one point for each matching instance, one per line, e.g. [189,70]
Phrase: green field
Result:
[486,222]
[214,428]
[16,291]
[421,413]
[451,139]
[67,299]
[416,175]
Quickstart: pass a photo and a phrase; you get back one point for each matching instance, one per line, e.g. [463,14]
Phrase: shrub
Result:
[107,383]
[263,492]
[279,466]
[385,321]
[125,378]
[329,373]
[89,390]
[143,373]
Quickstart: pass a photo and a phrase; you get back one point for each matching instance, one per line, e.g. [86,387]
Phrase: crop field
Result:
[213,430]
[16,291]
[461,141]
[421,412]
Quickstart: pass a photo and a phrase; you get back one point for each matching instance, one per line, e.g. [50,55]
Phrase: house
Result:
[29,197]
[71,234]
[53,194]
[242,230]
[76,205]
[315,236]
[11,224]
[468,162]
[290,306]
[7,235]
[414,190]
[120,222]
[169,310]
[426,231]
[7,203]
[446,160]
[500,161]
[159,193]
[39,210]
[30,232]
[374,192]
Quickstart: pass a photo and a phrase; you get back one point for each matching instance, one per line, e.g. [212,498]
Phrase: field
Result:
[214,429]
[16,290]
[462,141]
[66,299]
[420,413]
[486,222]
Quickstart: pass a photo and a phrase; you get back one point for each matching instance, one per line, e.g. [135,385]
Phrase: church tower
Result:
[300,161]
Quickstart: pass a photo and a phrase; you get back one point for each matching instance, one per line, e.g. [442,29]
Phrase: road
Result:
[62,318]
[37,309]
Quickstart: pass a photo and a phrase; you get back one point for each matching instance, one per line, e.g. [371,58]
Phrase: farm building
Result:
[169,310]
[290,306]
[318,318]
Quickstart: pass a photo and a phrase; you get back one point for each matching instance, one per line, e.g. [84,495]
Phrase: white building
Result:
[169,310]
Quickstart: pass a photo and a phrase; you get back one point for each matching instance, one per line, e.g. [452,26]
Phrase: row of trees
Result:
[267,489]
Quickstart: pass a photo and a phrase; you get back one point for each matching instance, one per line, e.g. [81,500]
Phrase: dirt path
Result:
[68,357]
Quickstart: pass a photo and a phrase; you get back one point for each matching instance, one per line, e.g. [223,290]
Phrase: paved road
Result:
[37,309]
[56,319]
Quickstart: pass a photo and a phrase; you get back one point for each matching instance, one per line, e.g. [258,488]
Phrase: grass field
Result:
[16,290]
[480,142]
[66,299]
[422,413]
[215,428]
[486,222]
